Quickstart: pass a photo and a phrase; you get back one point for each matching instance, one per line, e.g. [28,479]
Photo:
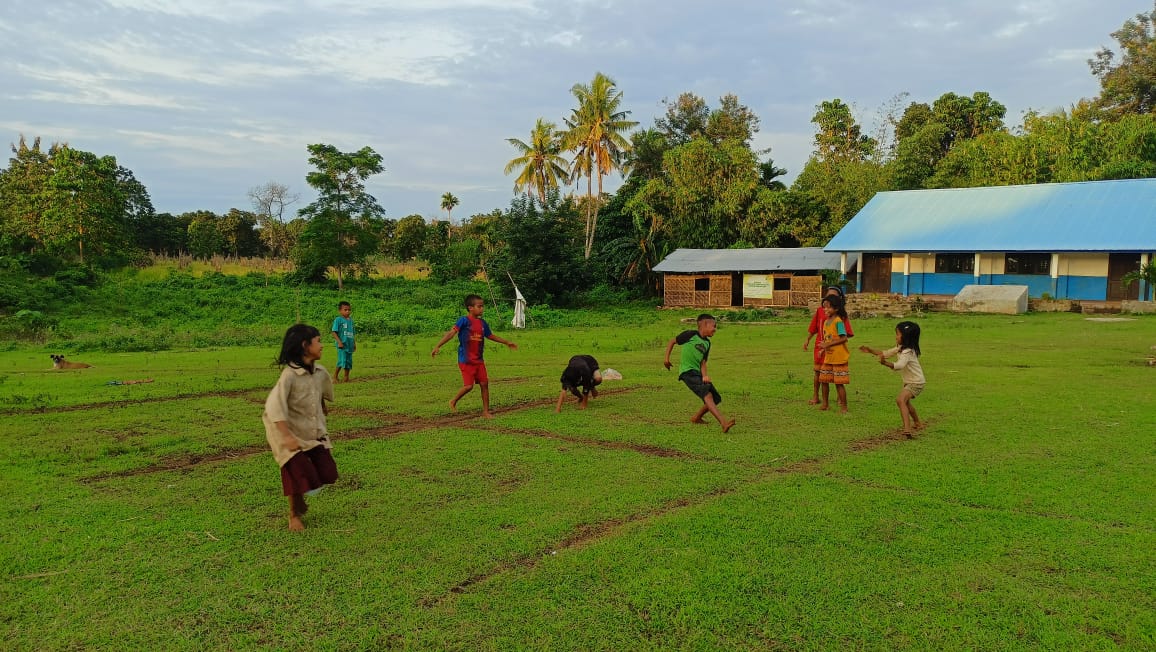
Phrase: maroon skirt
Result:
[308,470]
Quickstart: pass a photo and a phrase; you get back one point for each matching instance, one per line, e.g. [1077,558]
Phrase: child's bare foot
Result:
[909,434]
[697,420]
[813,401]
[824,406]
[453,406]
[728,425]
[920,425]
[295,523]
[843,409]
[487,415]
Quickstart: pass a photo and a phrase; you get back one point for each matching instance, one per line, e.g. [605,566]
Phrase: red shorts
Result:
[308,470]
[473,372]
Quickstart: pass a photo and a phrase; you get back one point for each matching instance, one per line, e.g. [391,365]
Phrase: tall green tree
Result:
[344,226]
[409,237]
[84,205]
[597,134]
[1128,84]
[448,204]
[839,136]
[540,165]
[537,248]
[22,196]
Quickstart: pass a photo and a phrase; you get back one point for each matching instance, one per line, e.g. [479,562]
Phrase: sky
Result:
[205,99]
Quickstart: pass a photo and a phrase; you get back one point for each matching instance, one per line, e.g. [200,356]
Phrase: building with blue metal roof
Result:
[1066,240]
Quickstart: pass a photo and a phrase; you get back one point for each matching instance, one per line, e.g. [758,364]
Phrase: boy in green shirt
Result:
[692,368]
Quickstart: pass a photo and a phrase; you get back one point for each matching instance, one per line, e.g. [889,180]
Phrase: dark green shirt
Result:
[695,349]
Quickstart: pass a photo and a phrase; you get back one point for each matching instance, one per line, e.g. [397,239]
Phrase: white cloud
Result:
[566,39]
[416,54]
[92,89]
[138,57]
[221,10]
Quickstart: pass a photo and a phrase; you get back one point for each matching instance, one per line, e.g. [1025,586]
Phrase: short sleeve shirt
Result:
[695,351]
[296,400]
[344,329]
[833,329]
[472,334]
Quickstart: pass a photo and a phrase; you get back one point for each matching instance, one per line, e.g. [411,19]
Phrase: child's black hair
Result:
[836,303]
[908,335]
[293,346]
[472,299]
[705,317]
[343,304]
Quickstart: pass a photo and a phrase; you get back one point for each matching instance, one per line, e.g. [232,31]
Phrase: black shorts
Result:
[693,380]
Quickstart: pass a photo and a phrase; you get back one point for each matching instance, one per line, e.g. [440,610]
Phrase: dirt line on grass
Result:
[120,403]
[645,449]
[406,426]
[579,537]
[586,534]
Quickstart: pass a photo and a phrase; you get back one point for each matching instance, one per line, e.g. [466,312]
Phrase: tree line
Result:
[693,178]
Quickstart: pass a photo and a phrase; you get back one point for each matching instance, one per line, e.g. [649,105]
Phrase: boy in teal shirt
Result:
[692,368]
[343,333]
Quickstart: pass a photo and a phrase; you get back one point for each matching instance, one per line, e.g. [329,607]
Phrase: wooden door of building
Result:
[1120,265]
[877,273]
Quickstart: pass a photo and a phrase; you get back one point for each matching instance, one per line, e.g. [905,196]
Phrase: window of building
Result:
[782,283]
[702,284]
[1038,264]
[954,263]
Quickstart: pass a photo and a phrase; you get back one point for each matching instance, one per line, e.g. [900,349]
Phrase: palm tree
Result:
[597,136]
[448,203]
[541,166]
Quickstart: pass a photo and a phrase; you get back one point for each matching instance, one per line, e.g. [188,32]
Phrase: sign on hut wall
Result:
[758,286]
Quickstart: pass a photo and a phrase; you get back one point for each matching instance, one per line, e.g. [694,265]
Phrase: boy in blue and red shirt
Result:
[472,332]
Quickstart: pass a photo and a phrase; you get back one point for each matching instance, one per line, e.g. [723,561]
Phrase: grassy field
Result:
[149,516]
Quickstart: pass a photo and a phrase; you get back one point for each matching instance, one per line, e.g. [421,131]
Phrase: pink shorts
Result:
[473,372]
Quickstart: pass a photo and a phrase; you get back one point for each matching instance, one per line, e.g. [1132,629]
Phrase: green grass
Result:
[150,516]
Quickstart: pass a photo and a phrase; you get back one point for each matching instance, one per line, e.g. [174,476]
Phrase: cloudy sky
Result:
[205,99]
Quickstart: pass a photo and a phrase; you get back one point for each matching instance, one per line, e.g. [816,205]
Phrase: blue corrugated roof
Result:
[757,259]
[1054,217]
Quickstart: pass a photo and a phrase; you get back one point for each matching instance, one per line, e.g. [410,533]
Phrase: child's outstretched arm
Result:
[445,338]
[867,349]
[502,341]
[669,348]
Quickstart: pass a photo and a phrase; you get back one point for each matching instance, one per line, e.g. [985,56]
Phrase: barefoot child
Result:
[692,368]
[472,332]
[815,330]
[295,420]
[907,364]
[836,355]
[580,377]
[342,331]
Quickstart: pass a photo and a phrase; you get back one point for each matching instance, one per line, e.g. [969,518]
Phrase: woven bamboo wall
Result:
[678,290]
[805,289]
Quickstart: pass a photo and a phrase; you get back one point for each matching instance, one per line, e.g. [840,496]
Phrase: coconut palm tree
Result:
[448,203]
[597,134]
[540,166]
